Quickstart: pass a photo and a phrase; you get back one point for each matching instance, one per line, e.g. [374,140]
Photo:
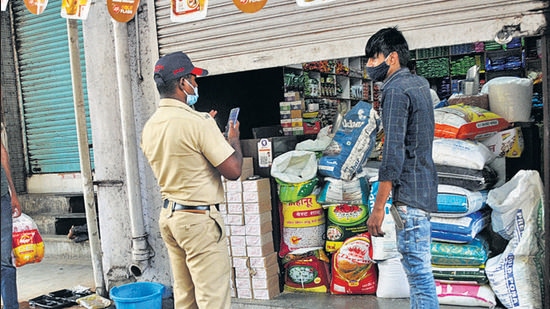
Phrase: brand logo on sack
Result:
[350,124]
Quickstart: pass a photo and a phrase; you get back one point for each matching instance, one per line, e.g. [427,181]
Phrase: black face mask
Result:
[379,72]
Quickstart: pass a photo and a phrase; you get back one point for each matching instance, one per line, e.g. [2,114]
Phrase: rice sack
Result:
[474,253]
[302,224]
[352,143]
[469,179]
[460,274]
[469,295]
[338,191]
[353,270]
[453,201]
[306,270]
[344,221]
[461,229]
[467,122]
[461,153]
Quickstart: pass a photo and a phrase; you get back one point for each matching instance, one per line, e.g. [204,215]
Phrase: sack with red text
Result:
[28,246]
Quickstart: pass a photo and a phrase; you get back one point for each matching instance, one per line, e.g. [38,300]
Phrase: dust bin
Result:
[138,295]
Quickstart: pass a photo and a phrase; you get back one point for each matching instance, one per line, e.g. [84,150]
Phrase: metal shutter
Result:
[282,33]
[46,89]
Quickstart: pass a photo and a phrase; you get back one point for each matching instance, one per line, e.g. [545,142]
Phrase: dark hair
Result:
[169,87]
[388,40]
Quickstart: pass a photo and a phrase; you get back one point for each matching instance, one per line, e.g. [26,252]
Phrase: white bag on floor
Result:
[516,274]
[392,279]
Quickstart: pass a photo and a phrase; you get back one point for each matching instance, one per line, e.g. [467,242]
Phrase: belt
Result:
[176,206]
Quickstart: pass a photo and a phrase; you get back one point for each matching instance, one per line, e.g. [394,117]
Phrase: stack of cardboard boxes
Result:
[296,117]
[247,215]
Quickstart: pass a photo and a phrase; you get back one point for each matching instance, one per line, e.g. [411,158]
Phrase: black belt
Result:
[176,206]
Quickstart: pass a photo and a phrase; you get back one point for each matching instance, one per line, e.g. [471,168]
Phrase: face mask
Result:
[192,98]
[379,72]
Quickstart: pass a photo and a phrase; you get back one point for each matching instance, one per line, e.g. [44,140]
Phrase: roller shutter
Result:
[282,33]
[46,89]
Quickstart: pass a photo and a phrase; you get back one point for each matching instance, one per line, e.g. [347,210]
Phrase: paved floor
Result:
[52,275]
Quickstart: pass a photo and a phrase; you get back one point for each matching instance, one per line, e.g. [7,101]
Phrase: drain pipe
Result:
[141,251]
[84,153]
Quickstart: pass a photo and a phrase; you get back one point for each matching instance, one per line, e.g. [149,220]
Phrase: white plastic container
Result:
[510,97]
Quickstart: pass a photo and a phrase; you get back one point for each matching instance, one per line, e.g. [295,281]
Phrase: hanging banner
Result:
[183,11]
[122,10]
[4,5]
[312,2]
[75,9]
[36,7]
[250,6]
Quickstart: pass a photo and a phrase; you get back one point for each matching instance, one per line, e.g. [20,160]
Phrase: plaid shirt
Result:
[408,120]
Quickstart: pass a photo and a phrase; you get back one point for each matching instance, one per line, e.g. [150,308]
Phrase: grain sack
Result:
[344,221]
[467,122]
[383,247]
[352,143]
[390,272]
[306,270]
[466,295]
[302,224]
[337,191]
[453,201]
[353,270]
[469,179]
[516,274]
[461,229]
[461,153]
[474,253]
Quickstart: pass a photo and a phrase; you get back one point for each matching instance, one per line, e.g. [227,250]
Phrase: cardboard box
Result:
[262,261]
[237,241]
[239,230]
[292,96]
[259,229]
[508,143]
[297,105]
[242,272]
[257,219]
[222,208]
[258,240]
[258,251]
[234,208]
[241,261]
[295,114]
[257,207]
[297,122]
[233,186]
[244,293]
[257,185]
[284,106]
[243,283]
[238,251]
[255,197]
[233,197]
[266,293]
[285,115]
[286,123]
[265,283]
[234,219]
[261,272]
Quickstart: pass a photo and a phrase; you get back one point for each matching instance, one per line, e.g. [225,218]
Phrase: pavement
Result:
[34,280]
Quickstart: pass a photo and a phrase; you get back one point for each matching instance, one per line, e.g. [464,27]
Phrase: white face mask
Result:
[192,98]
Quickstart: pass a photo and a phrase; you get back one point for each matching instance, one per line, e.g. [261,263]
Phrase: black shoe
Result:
[80,238]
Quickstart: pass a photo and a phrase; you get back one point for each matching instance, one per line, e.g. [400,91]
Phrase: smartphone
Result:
[233,115]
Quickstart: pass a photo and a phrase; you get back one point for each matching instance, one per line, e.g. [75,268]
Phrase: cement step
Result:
[61,247]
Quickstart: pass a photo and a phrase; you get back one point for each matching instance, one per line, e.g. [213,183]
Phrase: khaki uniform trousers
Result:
[199,258]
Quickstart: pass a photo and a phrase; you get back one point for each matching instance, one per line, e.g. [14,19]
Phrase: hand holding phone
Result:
[233,116]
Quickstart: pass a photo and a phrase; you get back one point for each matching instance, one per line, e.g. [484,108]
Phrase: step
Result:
[61,247]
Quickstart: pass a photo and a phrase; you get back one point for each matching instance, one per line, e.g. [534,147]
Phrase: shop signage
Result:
[36,7]
[122,10]
[250,6]
[265,154]
[312,2]
[188,10]
[75,9]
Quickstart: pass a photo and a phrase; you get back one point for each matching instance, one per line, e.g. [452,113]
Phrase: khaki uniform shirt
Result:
[184,147]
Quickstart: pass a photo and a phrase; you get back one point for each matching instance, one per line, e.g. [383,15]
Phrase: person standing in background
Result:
[407,170]
[10,209]
[188,155]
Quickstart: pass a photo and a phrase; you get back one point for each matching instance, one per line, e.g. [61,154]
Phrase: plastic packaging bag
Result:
[28,246]
[295,166]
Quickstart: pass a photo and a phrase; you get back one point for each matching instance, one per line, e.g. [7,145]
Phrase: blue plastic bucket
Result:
[138,295]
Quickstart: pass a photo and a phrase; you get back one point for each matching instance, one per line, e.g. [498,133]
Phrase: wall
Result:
[110,173]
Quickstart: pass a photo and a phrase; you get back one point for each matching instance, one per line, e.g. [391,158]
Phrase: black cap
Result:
[173,66]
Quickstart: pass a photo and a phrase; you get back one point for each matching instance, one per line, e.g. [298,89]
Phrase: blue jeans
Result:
[9,283]
[414,243]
